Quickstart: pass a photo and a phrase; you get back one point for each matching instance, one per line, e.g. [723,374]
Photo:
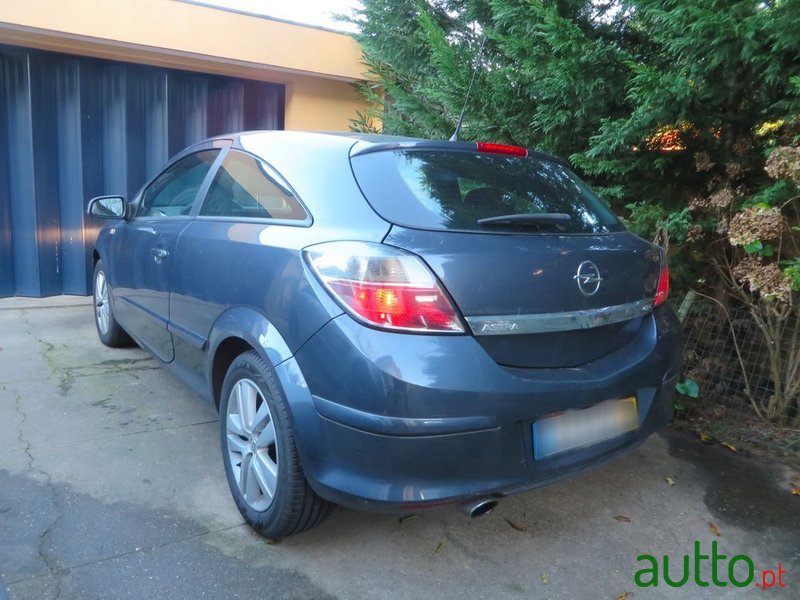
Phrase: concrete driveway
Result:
[112,486]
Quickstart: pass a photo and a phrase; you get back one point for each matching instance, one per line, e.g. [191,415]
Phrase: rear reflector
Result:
[662,291]
[384,286]
[501,149]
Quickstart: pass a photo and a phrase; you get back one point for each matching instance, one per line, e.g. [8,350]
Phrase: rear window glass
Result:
[434,189]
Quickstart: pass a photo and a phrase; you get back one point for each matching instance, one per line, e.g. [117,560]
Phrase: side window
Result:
[242,188]
[173,192]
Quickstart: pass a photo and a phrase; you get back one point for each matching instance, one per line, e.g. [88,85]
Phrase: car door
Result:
[144,248]
[225,258]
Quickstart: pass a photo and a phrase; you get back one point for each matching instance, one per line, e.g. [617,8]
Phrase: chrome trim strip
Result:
[561,321]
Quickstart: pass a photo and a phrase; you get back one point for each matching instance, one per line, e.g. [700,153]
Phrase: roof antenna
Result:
[454,137]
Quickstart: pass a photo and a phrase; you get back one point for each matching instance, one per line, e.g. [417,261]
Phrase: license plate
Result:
[577,428]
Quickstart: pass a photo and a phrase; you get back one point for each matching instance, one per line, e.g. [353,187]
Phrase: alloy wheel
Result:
[102,313]
[251,444]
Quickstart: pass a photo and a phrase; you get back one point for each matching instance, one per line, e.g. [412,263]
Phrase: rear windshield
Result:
[436,189]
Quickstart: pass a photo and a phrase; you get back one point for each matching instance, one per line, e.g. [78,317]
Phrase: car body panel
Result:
[515,276]
[475,419]
[539,268]
[268,278]
[318,168]
[141,283]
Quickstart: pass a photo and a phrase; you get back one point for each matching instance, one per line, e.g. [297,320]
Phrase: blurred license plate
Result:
[576,428]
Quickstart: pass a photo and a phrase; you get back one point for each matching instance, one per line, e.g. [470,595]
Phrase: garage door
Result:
[72,128]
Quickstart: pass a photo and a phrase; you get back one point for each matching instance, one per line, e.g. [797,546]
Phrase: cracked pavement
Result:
[111,486]
[42,549]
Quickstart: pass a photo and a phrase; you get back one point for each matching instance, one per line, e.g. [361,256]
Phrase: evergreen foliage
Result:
[593,80]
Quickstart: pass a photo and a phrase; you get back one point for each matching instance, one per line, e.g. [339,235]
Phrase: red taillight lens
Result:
[501,149]
[662,291]
[384,286]
[395,306]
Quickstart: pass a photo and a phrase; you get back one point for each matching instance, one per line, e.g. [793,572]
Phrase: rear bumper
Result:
[390,421]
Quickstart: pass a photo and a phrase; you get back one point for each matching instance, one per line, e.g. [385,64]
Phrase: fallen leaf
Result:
[670,481]
[796,491]
[623,519]
[704,437]
[516,526]
[439,547]
[623,596]
[714,529]
[405,518]
[730,447]
[545,579]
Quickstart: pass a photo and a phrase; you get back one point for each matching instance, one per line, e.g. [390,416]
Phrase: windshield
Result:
[437,189]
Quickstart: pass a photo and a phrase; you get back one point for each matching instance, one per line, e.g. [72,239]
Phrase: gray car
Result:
[390,323]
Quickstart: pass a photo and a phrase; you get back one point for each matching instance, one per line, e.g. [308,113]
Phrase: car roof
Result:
[355,142]
[347,137]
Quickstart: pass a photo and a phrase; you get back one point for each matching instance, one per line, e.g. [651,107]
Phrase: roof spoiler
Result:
[361,149]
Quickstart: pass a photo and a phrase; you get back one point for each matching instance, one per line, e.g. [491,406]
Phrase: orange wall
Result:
[321,107]
[317,66]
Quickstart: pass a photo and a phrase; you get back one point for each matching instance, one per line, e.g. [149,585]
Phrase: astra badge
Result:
[499,327]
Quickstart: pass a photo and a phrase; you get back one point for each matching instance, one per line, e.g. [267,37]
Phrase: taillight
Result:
[662,291]
[383,286]
[501,149]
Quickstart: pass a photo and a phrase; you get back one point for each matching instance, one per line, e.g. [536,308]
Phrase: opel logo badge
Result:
[588,278]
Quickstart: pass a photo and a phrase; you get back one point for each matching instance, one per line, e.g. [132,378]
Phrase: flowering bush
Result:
[760,266]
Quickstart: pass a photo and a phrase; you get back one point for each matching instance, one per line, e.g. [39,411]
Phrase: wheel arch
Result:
[241,329]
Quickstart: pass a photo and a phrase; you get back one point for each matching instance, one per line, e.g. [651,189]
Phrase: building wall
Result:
[310,106]
[95,95]
[317,66]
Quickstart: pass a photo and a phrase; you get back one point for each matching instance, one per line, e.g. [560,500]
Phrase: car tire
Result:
[108,329]
[262,464]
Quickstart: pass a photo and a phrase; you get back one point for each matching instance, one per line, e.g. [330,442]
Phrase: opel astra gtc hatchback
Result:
[390,323]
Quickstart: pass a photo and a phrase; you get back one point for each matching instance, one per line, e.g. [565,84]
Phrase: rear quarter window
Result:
[243,188]
[436,189]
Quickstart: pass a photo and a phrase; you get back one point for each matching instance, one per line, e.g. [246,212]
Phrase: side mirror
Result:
[108,207]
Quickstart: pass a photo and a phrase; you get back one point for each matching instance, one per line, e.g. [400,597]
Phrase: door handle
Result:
[159,254]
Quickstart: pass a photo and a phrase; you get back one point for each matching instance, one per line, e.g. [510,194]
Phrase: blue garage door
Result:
[72,128]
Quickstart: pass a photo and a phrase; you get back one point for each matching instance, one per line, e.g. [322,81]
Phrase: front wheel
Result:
[108,330]
[262,464]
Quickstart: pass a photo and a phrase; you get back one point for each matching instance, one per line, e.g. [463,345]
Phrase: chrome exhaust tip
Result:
[479,507]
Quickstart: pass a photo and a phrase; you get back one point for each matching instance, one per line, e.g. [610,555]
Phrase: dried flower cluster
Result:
[755,223]
[694,234]
[742,145]
[765,278]
[735,170]
[721,199]
[703,162]
[784,163]
[698,202]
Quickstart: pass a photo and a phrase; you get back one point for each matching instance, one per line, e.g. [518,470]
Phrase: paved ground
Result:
[111,486]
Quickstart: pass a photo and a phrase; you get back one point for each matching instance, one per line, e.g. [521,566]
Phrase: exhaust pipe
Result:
[479,507]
